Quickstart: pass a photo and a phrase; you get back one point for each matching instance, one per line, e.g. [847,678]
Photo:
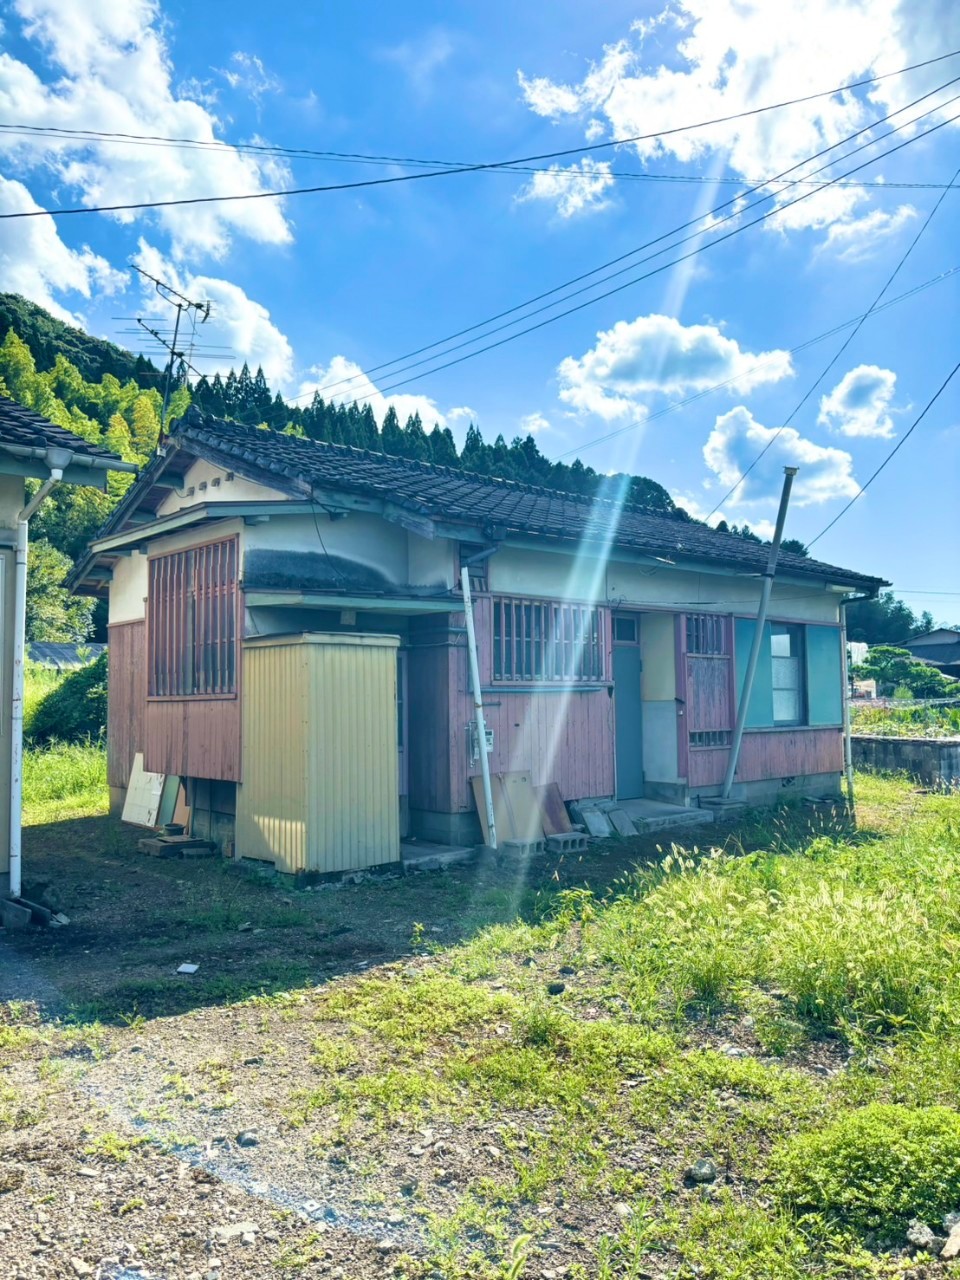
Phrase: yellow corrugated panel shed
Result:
[319,790]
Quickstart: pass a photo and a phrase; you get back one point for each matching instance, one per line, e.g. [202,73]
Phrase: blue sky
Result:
[320,288]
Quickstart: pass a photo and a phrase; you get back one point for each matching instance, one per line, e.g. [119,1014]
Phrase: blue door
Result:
[627,702]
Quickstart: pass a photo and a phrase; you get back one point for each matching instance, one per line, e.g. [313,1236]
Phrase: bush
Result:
[876,1167]
[76,710]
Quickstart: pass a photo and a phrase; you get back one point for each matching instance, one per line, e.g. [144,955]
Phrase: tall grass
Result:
[64,781]
[907,722]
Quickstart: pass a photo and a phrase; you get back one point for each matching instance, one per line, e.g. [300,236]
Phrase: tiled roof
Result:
[500,505]
[20,426]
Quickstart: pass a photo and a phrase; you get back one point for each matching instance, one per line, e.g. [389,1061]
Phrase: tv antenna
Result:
[181,303]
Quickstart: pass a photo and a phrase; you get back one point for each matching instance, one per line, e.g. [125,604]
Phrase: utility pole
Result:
[181,303]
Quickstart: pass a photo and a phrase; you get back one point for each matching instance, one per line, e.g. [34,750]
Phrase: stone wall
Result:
[934,761]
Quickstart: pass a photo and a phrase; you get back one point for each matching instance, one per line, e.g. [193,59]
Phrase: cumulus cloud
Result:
[736,440]
[34,260]
[729,56]
[359,387]
[701,511]
[112,72]
[532,424]
[657,354]
[577,189]
[859,405]
[237,322]
[857,238]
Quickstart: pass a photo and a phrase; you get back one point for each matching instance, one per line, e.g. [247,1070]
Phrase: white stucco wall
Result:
[218,489]
[128,589]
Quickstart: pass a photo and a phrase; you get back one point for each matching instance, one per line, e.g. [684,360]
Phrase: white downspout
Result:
[847,739]
[478,706]
[19,652]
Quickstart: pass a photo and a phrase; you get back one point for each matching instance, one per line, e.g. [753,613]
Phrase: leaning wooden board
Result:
[556,820]
[516,808]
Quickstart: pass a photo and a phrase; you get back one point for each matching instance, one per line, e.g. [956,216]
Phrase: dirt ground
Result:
[147,1127]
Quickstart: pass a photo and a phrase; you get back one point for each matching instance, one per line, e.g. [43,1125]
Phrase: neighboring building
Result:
[62,656]
[285,616]
[30,446]
[940,649]
[857,651]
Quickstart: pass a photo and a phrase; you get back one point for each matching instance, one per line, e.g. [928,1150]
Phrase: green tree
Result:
[145,424]
[391,434]
[885,620]
[17,366]
[52,612]
[443,449]
[892,667]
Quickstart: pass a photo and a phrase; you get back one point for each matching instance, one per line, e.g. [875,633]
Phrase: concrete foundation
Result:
[213,811]
[446,828]
[772,791]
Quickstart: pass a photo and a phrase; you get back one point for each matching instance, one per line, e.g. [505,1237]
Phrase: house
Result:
[286,632]
[64,656]
[30,447]
[939,648]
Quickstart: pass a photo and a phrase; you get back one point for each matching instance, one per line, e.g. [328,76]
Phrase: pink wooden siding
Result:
[193,737]
[773,753]
[564,736]
[126,698]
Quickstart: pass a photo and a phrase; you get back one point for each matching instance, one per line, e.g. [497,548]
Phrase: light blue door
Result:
[629,725]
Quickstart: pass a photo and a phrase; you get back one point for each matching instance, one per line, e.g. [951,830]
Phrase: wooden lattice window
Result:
[706,634]
[539,641]
[192,622]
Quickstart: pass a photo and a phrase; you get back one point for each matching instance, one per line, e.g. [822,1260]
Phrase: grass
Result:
[64,781]
[785,1005]
[907,722]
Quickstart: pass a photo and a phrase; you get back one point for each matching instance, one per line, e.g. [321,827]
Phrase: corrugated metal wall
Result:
[320,788]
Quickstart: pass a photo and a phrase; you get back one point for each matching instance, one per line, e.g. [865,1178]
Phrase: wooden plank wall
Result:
[193,737]
[781,753]
[126,698]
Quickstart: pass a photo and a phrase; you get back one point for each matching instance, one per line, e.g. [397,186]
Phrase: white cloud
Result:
[461,413]
[532,424]
[700,511]
[236,322]
[577,189]
[34,260]
[730,56]
[111,71]
[859,405]
[857,238]
[658,354]
[247,73]
[421,57]
[735,442]
[357,386]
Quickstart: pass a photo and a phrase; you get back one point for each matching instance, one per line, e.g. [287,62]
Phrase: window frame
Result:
[797,632]
[193,616]
[538,651]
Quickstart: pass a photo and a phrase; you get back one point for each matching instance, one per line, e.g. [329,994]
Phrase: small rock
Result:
[246,927]
[951,1248]
[80,1267]
[556,988]
[232,1231]
[387,1246]
[247,1138]
[623,1211]
[922,1237]
[702,1170]
[951,1220]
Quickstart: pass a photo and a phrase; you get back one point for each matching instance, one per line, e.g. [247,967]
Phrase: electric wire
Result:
[892,454]
[475,168]
[648,274]
[718,386]
[631,253]
[840,350]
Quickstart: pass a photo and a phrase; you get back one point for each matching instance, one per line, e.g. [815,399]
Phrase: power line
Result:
[475,168]
[648,274]
[718,386]
[892,454]
[731,205]
[56,133]
[840,350]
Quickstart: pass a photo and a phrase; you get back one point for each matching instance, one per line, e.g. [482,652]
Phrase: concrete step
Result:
[420,855]
[689,818]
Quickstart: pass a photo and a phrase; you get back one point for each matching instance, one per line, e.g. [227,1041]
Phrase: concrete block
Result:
[621,822]
[522,848]
[14,916]
[567,842]
[597,823]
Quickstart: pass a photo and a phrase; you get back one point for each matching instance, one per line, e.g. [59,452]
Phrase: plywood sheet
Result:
[144,791]
[553,812]
[516,809]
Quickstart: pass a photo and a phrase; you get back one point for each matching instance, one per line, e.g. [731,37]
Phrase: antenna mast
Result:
[181,303]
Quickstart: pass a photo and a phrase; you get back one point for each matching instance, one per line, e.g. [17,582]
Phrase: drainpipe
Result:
[847,730]
[57,460]
[477,695]
[768,574]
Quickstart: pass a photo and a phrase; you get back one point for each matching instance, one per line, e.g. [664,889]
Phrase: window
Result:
[625,630]
[786,656]
[536,641]
[706,634]
[192,622]
[710,738]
